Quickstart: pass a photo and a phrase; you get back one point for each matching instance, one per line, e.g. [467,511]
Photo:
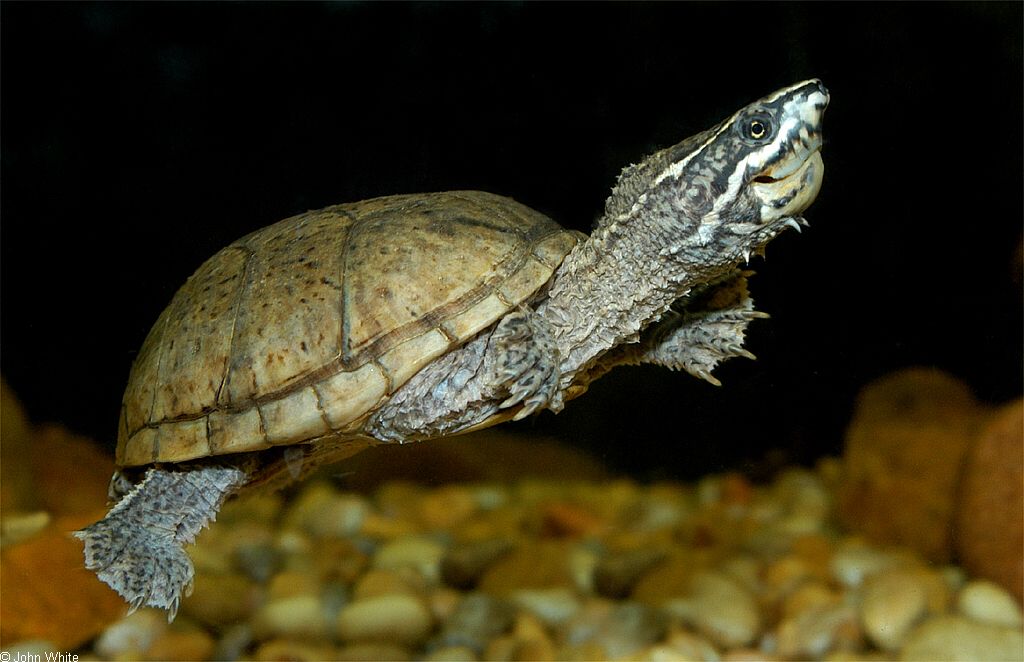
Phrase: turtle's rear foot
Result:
[137,549]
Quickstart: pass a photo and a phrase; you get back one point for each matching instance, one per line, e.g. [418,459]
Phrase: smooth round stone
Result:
[855,561]
[463,564]
[987,602]
[891,604]
[298,616]
[477,619]
[177,643]
[422,554]
[220,599]
[720,608]
[447,507]
[452,654]
[959,639]
[372,652]
[322,512]
[233,642]
[552,606]
[132,635]
[616,574]
[386,582]
[629,627]
[399,618]
[815,631]
[294,651]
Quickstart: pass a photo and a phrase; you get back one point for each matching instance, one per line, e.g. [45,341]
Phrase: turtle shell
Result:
[300,330]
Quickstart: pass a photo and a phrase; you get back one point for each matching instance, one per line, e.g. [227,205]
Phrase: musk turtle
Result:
[410,317]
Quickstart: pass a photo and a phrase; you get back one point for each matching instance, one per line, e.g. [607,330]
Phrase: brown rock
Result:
[538,564]
[181,643]
[16,490]
[71,473]
[904,450]
[48,594]
[990,521]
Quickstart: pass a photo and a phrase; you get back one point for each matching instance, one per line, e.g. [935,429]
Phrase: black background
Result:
[138,139]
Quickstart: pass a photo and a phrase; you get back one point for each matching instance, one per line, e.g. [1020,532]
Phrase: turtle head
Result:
[726,192]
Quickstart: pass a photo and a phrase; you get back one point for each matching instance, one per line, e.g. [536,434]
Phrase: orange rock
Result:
[990,521]
[16,491]
[569,519]
[902,462]
[70,472]
[48,594]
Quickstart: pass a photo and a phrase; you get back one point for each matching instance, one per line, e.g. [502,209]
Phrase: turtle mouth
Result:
[790,188]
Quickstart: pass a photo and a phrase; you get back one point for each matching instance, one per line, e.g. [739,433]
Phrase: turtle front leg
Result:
[700,331]
[515,364]
[138,548]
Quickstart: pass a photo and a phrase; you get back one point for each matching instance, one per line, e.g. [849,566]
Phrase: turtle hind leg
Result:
[138,548]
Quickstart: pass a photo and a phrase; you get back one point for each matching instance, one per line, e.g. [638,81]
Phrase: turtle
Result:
[410,317]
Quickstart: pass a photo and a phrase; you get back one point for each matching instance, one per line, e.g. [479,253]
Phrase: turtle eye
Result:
[758,128]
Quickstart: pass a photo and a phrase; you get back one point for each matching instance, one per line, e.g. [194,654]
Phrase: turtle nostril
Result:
[764,179]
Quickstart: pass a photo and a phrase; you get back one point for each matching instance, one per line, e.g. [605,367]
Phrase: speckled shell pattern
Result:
[299,331]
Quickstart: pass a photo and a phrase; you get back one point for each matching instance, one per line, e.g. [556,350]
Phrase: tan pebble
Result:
[668,579]
[536,564]
[258,507]
[443,601]
[179,643]
[893,601]
[421,554]
[372,652]
[489,496]
[397,618]
[335,559]
[463,564]
[381,527]
[691,645]
[810,595]
[987,602]
[585,652]
[384,582]
[781,577]
[854,561]
[746,655]
[446,507]
[552,605]
[452,654]
[629,627]
[132,635]
[818,630]
[890,606]
[720,608]
[330,515]
[515,649]
[284,650]
[746,570]
[221,599]
[399,498]
[955,638]
[298,616]
[582,563]
[616,574]
[288,583]
[18,527]
[661,653]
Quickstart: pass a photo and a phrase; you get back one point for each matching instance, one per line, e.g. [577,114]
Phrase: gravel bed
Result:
[545,570]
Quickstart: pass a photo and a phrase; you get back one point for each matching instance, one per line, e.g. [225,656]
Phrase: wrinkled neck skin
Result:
[625,276]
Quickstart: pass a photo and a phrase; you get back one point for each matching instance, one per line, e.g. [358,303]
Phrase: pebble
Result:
[398,618]
[131,636]
[720,608]
[959,639]
[182,643]
[462,565]
[477,619]
[298,616]
[892,603]
[420,553]
[294,651]
[987,602]
[542,569]
[553,606]
[219,599]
